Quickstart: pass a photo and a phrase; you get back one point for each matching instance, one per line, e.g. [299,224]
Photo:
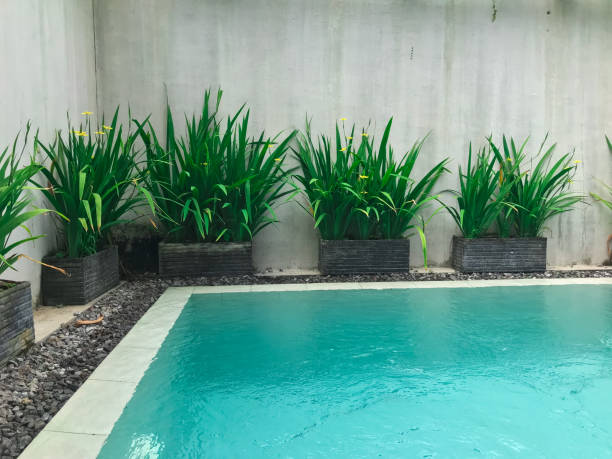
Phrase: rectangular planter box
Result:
[362,257]
[16,321]
[490,254]
[205,259]
[88,277]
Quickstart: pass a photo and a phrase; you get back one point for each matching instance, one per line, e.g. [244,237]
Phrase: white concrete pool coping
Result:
[81,427]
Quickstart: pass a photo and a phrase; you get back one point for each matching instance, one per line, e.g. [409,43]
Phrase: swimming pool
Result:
[450,372]
[417,372]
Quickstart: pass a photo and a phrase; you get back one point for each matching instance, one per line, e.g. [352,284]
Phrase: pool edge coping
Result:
[296,287]
[146,337]
[95,420]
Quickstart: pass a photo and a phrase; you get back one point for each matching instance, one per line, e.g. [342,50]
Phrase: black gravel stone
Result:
[35,385]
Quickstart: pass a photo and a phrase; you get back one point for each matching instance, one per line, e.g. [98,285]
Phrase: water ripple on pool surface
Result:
[420,373]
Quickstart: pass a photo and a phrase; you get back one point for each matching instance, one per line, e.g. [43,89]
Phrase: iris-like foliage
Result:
[536,194]
[90,178]
[482,194]
[606,202]
[14,205]
[362,192]
[215,183]
[332,182]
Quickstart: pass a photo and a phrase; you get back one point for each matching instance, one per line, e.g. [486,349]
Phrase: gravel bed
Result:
[35,385]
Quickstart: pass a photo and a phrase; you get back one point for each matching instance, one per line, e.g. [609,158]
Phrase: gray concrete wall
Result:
[47,56]
[461,69]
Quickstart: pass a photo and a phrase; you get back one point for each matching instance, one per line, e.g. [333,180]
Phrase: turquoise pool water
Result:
[461,372]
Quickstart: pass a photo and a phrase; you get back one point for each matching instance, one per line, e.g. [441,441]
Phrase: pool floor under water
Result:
[443,372]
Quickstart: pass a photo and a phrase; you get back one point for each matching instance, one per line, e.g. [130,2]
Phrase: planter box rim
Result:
[512,238]
[55,257]
[9,281]
[8,290]
[205,243]
[364,240]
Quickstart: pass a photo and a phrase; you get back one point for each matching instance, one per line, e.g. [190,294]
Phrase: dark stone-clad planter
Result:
[16,321]
[491,254]
[205,259]
[88,277]
[360,257]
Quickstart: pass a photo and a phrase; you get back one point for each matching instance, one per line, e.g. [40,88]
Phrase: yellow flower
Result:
[204,164]
[350,138]
[81,134]
[365,134]
[509,159]
[135,181]
[277,159]
[364,192]
[77,132]
[570,181]
[342,119]
[343,149]
[363,177]
[108,128]
[577,161]
[87,113]
[100,132]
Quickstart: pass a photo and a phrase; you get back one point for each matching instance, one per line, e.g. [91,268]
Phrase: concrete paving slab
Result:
[65,445]
[94,408]
[127,366]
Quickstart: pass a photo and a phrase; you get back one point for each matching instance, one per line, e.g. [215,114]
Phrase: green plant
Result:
[607,203]
[13,204]
[92,180]
[332,183]
[362,192]
[214,184]
[482,194]
[538,194]
[597,197]
[421,231]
